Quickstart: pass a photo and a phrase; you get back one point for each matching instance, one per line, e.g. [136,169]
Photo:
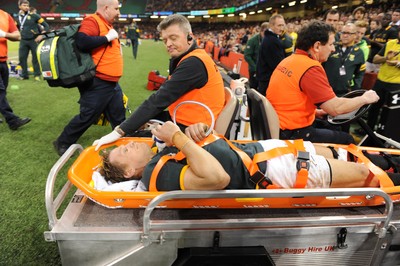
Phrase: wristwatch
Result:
[119,131]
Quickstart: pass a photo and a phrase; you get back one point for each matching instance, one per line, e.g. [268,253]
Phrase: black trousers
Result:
[318,135]
[382,89]
[135,45]
[24,47]
[5,108]
[262,87]
[253,83]
[97,97]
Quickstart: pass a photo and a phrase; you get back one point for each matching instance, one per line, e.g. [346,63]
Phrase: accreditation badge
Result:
[342,71]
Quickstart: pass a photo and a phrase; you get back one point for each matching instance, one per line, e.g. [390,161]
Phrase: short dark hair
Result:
[315,31]
[377,21]
[331,11]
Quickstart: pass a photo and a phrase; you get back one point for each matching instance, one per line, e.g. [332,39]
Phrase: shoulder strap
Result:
[177,157]
[157,168]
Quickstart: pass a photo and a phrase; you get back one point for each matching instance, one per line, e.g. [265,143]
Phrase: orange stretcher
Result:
[80,174]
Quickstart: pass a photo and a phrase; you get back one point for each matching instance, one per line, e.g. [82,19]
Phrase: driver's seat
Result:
[224,122]
[264,121]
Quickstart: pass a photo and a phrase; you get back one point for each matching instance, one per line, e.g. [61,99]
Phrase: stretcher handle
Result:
[201,104]
[385,218]
[53,205]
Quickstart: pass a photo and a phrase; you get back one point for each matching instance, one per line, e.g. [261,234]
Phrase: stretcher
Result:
[80,174]
[162,228]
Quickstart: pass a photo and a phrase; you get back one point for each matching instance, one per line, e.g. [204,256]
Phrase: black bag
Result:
[61,62]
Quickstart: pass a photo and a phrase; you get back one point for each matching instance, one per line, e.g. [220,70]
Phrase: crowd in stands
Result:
[163,5]
[233,36]
[230,35]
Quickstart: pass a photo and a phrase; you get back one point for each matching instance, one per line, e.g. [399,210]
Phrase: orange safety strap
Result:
[303,162]
[177,157]
[384,179]
[157,168]
[250,164]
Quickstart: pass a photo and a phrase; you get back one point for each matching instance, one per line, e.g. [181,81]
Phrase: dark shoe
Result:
[19,123]
[60,148]
[22,78]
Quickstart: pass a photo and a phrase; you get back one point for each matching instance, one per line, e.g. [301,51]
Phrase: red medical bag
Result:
[155,80]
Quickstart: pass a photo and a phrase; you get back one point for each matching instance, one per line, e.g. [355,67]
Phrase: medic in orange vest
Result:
[299,85]
[193,76]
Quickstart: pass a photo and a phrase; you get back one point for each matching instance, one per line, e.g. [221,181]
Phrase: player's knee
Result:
[363,170]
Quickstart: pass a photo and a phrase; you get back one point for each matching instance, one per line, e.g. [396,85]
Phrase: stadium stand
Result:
[168,5]
[82,7]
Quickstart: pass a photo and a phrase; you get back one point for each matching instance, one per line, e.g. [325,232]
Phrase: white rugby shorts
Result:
[282,170]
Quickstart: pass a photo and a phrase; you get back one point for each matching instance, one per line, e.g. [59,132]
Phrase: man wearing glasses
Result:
[345,63]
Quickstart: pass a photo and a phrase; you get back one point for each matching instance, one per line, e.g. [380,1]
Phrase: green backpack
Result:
[61,62]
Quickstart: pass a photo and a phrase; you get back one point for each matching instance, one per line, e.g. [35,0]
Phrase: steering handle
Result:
[201,104]
[350,116]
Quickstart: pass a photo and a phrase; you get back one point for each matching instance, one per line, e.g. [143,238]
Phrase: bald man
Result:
[103,94]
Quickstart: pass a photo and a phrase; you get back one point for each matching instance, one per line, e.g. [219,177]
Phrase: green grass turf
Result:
[27,155]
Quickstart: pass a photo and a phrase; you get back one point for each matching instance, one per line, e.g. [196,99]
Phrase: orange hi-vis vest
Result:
[111,63]
[295,110]
[3,41]
[211,94]
[209,47]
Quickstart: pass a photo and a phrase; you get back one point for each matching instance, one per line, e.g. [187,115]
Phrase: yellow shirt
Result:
[390,74]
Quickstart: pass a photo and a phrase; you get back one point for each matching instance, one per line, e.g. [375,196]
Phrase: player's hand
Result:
[197,132]
[165,132]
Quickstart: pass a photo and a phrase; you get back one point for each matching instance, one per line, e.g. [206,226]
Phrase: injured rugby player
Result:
[222,164]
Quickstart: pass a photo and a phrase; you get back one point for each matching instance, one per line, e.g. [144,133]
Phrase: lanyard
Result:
[347,56]
[22,20]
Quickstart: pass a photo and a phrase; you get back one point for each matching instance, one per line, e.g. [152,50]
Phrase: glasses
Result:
[348,33]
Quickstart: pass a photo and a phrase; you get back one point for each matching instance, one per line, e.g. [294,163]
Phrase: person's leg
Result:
[252,80]
[322,135]
[135,44]
[395,177]
[349,174]
[324,151]
[262,87]
[115,110]
[134,48]
[23,58]
[93,102]
[5,108]
[35,63]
